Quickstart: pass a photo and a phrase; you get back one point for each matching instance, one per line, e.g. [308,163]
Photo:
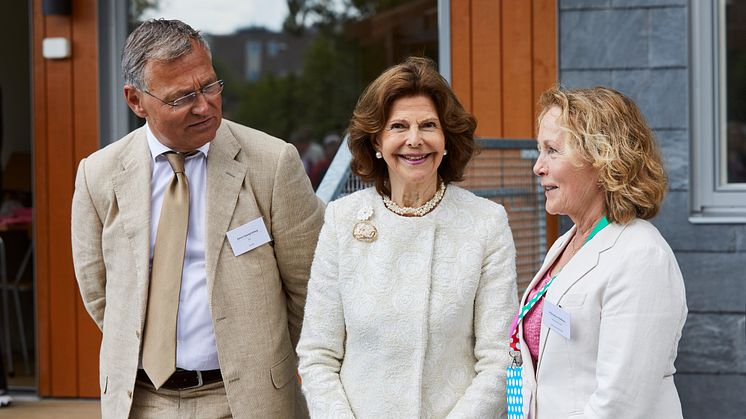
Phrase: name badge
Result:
[249,236]
[556,319]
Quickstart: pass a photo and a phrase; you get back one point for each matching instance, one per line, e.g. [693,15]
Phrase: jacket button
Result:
[137,333]
[129,393]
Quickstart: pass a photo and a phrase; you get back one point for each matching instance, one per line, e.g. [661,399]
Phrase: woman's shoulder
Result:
[644,236]
[349,205]
[466,200]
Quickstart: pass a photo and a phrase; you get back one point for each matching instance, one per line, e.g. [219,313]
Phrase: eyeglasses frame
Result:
[175,103]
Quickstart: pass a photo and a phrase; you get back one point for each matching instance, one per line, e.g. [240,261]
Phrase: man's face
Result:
[186,127]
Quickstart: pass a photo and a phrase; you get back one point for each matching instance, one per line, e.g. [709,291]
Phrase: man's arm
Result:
[297,215]
[88,258]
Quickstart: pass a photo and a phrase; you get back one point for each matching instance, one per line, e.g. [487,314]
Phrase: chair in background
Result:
[16,217]
[16,286]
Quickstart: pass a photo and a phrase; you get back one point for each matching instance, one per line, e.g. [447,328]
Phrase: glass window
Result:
[718,122]
[734,90]
[253,60]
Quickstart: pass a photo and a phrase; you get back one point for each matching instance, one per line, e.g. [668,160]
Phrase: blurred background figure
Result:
[331,144]
[309,151]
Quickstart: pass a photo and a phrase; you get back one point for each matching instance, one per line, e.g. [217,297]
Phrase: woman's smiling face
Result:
[412,142]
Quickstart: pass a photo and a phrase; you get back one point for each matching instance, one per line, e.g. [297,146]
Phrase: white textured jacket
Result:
[414,324]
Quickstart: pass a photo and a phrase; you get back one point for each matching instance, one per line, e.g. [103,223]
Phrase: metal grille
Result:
[353,184]
[502,172]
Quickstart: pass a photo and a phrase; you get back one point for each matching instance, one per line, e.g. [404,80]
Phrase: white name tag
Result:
[556,319]
[249,236]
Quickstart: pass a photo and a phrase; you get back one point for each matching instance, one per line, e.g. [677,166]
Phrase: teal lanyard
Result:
[529,304]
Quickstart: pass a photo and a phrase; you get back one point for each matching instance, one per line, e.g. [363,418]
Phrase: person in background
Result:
[331,144]
[599,326]
[413,281]
[310,152]
[192,242]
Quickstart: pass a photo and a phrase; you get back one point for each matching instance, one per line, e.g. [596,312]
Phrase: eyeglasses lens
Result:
[212,89]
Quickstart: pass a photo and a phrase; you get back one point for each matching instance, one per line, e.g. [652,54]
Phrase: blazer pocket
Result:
[283,372]
[572,300]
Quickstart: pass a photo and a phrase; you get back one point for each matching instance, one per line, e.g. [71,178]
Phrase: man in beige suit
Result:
[233,315]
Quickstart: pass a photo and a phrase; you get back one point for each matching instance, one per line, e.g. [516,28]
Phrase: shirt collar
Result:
[157,148]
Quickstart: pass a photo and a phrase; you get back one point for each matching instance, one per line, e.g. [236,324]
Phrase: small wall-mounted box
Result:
[55,48]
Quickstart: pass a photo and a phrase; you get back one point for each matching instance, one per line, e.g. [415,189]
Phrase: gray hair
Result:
[157,40]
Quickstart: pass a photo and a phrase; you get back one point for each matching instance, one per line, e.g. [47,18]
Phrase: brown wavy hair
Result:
[415,76]
[606,129]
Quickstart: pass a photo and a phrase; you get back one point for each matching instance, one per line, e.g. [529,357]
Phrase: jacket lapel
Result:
[226,173]
[549,260]
[529,383]
[132,190]
[583,262]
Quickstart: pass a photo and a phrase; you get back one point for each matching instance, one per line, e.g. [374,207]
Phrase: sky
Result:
[222,17]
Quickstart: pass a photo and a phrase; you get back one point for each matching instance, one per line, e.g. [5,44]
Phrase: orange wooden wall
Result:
[503,56]
[65,130]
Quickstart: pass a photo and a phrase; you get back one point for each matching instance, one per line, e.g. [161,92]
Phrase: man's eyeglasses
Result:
[211,90]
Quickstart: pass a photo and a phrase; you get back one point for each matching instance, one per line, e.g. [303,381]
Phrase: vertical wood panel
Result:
[545,49]
[487,67]
[59,137]
[545,73]
[65,129]
[41,203]
[517,69]
[461,51]
[86,128]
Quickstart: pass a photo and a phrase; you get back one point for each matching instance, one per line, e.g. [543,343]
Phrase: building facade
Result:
[499,56]
[648,50]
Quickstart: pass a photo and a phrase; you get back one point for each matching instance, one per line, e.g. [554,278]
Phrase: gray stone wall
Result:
[640,47]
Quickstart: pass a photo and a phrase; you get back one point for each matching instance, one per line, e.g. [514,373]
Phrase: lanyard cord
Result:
[529,304]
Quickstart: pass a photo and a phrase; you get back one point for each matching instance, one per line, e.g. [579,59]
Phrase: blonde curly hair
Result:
[607,130]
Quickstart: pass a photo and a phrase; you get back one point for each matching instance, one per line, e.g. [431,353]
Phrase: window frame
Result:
[711,201]
[114,122]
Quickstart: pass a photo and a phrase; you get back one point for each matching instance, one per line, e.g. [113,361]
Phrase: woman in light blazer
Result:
[598,327]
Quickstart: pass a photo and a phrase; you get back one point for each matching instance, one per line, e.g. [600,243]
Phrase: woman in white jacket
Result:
[601,320]
[413,281]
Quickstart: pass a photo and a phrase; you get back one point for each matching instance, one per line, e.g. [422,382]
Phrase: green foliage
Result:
[270,104]
[330,83]
[322,97]
[138,7]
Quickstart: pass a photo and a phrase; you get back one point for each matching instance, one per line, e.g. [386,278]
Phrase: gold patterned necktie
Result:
[159,339]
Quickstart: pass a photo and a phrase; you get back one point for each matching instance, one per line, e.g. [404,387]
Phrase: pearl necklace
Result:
[418,211]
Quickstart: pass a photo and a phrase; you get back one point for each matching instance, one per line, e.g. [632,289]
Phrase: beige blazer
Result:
[256,299]
[625,295]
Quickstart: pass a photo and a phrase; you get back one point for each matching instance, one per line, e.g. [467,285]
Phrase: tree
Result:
[138,7]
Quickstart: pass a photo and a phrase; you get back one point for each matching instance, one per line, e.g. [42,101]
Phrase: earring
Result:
[445,152]
[379,155]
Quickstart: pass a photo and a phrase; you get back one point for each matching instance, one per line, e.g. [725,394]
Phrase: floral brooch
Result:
[364,230]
